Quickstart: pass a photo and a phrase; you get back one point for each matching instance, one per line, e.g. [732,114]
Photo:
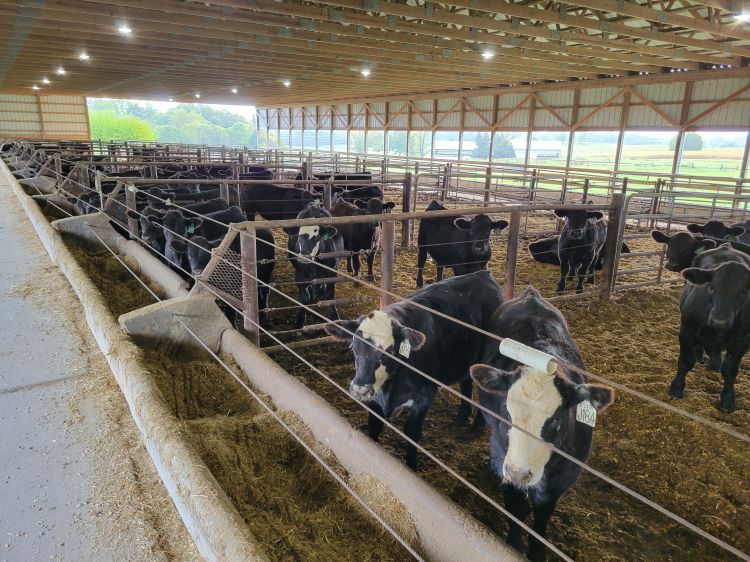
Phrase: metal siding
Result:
[597,96]
[400,121]
[557,99]
[519,120]
[339,121]
[482,102]
[543,119]
[658,93]
[325,117]
[310,119]
[358,121]
[731,115]
[641,116]
[376,116]
[509,101]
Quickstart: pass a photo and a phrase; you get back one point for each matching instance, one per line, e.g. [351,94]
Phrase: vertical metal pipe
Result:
[387,262]
[224,191]
[612,245]
[487,185]
[585,195]
[249,266]
[406,207]
[511,260]
[327,196]
[130,205]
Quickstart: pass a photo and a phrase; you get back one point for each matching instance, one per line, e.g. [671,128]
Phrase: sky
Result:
[247,111]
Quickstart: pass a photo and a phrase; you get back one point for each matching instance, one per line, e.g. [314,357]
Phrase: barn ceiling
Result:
[289,52]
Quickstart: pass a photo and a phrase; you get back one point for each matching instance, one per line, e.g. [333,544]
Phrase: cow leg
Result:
[421,259]
[370,262]
[305,299]
[263,304]
[349,264]
[355,264]
[464,409]
[329,293]
[537,551]
[581,271]
[564,269]
[439,273]
[685,362]
[415,421]
[729,369]
[714,362]
[374,424]
[518,506]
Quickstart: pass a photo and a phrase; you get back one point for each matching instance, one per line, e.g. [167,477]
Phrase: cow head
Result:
[578,221]
[480,228]
[176,230]
[716,229]
[310,238]
[199,253]
[727,287]
[542,409]
[682,247]
[375,206]
[377,332]
[152,233]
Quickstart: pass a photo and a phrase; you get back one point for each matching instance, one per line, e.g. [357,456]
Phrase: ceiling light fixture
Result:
[125,29]
[35,87]
[197,96]
[45,80]
[743,16]
[487,55]
[61,71]
[287,83]
[84,56]
[234,90]
[366,72]
[170,99]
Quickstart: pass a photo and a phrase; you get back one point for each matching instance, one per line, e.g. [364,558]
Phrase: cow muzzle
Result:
[720,324]
[516,475]
[576,234]
[362,393]
[480,249]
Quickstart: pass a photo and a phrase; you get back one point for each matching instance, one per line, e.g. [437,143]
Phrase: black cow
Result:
[178,228]
[715,316]
[360,237]
[199,254]
[682,248]
[543,405]
[363,194]
[547,251]
[425,341]
[310,242]
[720,231]
[460,244]
[581,242]
[273,202]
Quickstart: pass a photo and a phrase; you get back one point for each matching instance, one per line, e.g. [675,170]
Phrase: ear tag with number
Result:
[404,349]
[497,230]
[191,229]
[586,413]
[325,236]
[732,238]
[700,250]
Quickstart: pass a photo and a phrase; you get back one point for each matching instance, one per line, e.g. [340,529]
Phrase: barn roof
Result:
[181,48]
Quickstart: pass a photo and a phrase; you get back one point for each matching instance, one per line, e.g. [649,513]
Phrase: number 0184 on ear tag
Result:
[586,413]
[404,349]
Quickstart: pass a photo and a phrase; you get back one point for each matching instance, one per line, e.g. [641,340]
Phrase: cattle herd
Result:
[448,332]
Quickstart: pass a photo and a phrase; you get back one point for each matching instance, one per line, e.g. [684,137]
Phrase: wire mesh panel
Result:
[115,206]
[226,275]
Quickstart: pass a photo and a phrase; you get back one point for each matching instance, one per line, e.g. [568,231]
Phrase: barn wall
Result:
[49,117]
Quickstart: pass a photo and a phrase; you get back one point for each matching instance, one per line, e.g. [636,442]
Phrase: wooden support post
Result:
[58,170]
[154,171]
[383,169]
[624,185]
[534,180]
[327,196]
[585,195]
[249,266]
[224,191]
[387,262]
[487,185]
[98,185]
[612,245]
[511,260]
[130,205]
[406,207]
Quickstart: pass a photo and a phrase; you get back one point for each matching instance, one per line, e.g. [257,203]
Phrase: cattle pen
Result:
[375,280]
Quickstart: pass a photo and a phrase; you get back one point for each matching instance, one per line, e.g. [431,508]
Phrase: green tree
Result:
[357,141]
[106,124]
[419,144]
[503,147]
[693,141]
[482,149]
[397,142]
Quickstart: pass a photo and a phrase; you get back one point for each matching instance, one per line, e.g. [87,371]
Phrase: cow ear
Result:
[133,215]
[560,213]
[705,244]
[361,204]
[660,237]
[735,230]
[598,215]
[462,223]
[695,228]
[327,232]
[342,330]
[499,225]
[388,207]
[338,190]
[493,380]
[402,333]
[194,224]
[697,276]
[600,396]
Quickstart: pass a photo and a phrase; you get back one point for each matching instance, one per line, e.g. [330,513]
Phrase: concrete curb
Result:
[215,525]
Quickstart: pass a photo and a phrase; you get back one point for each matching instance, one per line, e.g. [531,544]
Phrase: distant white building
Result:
[449,148]
[539,149]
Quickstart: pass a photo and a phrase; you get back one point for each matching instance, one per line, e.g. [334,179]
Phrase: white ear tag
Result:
[404,349]
[586,413]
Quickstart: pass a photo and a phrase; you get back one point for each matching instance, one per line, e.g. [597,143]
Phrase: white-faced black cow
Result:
[312,242]
[361,236]
[422,340]
[544,406]
[715,316]
[581,241]
[461,244]
[199,254]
